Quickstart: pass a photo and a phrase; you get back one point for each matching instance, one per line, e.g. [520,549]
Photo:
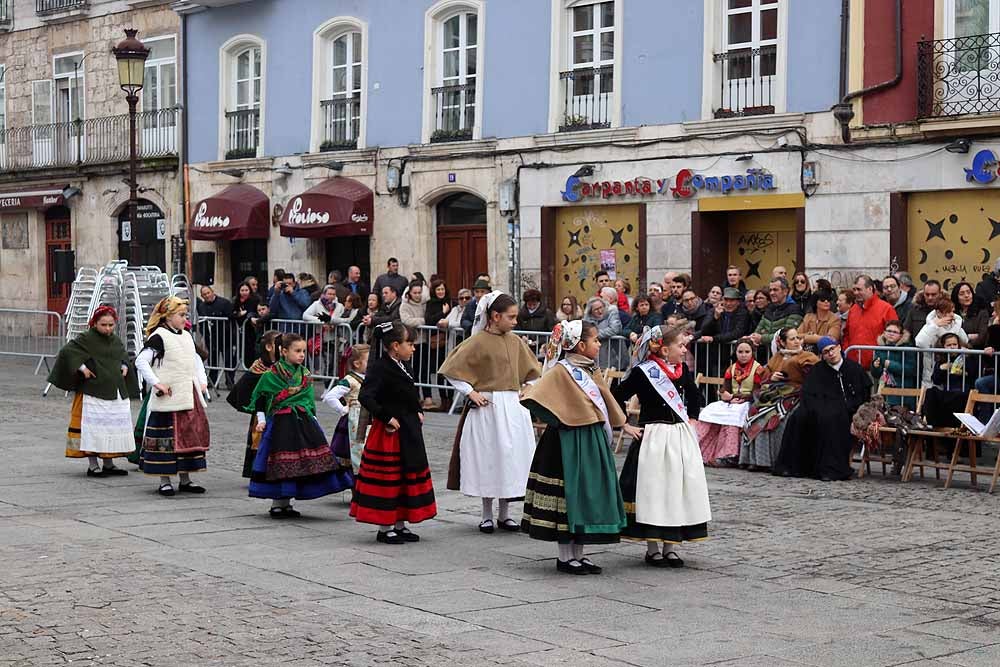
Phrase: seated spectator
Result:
[801,292]
[779,314]
[720,424]
[822,322]
[974,312]
[569,309]
[714,297]
[695,310]
[940,321]
[608,327]
[534,316]
[644,318]
[898,370]
[952,379]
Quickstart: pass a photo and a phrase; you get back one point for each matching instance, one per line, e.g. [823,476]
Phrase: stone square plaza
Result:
[867,572]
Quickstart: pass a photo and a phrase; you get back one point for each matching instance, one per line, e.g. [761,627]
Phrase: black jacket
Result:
[388,392]
[988,288]
[700,316]
[729,326]
[387,312]
[652,408]
[917,317]
[218,308]
[540,320]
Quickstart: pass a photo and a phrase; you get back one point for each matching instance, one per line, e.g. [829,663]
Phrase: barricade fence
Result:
[31,333]
[948,369]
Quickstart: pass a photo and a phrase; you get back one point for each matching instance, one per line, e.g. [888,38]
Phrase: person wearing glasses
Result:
[801,292]
[569,309]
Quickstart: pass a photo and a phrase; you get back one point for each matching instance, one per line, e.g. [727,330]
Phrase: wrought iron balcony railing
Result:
[587,98]
[52,6]
[454,112]
[88,141]
[6,13]
[958,76]
[244,133]
[747,82]
[341,123]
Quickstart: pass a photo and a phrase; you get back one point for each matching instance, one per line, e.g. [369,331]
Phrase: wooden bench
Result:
[865,457]
[967,439]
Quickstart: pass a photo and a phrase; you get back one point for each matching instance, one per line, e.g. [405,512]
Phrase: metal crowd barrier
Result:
[31,333]
[914,367]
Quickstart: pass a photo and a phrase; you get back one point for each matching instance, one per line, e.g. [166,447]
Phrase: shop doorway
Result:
[248,257]
[145,244]
[461,240]
[57,237]
[343,252]
[755,241]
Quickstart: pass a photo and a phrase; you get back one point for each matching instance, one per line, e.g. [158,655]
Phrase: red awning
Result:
[336,207]
[238,212]
[41,197]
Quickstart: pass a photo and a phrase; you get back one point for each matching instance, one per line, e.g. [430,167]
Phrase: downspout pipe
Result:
[844,111]
[183,161]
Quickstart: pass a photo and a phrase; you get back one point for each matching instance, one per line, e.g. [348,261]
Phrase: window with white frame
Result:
[341,108]
[159,97]
[749,60]
[3,101]
[243,83]
[455,96]
[589,81]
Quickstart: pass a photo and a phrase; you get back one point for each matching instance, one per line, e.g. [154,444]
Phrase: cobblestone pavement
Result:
[105,572]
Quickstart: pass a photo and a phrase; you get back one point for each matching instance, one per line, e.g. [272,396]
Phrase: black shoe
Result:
[486,526]
[190,487]
[408,535]
[510,525]
[825,479]
[166,489]
[114,471]
[281,512]
[673,562]
[96,473]
[651,559]
[591,567]
[390,537]
[571,567]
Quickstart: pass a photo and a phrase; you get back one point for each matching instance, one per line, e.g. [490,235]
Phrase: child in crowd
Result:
[573,496]
[663,479]
[952,380]
[293,459]
[239,396]
[349,436]
[394,481]
[720,424]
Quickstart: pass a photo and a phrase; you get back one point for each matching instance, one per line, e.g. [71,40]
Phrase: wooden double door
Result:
[461,254]
[57,237]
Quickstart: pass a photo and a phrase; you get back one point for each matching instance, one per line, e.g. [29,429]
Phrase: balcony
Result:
[959,76]
[243,133]
[92,141]
[341,124]
[454,112]
[747,82]
[587,98]
[6,14]
[59,9]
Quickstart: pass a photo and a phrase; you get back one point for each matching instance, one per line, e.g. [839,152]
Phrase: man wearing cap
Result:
[818,441]
[730,320]
[480,289]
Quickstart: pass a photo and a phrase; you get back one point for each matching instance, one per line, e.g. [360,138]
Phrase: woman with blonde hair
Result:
[175,434]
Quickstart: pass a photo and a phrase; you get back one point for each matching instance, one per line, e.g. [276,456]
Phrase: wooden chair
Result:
[968,439]
[631,410]
[865,457]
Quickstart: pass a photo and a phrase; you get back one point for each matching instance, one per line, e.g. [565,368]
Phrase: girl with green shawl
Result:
[96,366]
[294,459]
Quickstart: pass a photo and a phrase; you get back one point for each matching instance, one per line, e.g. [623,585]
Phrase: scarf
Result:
[673,371]
[285,386]
[742,371]
[582,362]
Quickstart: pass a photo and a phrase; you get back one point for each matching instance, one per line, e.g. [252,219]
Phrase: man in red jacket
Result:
[866,320]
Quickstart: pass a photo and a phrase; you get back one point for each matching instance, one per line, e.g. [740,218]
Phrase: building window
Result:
[454,107]
[589,82]
[3,100]
[748,63]
[243,81]
[342,108]
[158,118]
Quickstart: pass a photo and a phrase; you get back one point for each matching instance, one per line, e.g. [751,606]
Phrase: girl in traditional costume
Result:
[720,424]
[239,395]
[96,366]
[663,479]
[495,440]
[175,435]
[394,482]
[572,495]
[349,437]
[294,459]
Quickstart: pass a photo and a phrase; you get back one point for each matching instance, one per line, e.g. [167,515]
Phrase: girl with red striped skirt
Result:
[393,485]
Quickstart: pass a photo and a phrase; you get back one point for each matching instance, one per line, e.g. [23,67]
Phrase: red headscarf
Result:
[101,312]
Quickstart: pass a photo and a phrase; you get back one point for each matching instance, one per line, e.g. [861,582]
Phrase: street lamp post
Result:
[131,55]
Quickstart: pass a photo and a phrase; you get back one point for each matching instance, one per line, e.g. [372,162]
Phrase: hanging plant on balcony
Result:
[451,135]
[241,153]
[575,122]
[345,145]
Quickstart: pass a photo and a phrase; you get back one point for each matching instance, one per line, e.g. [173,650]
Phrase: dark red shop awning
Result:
[40,197]
[336,207]
[238,212]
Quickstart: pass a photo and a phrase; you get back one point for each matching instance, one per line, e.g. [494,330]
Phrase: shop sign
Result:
[310,217]
[202,219]
[686,184]
[984,168]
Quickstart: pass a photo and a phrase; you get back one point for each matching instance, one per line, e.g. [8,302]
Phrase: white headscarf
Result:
[565,337]
[641,352]
[481,317]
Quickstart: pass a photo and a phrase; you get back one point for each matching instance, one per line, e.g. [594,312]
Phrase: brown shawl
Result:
[558,393]
[492,362]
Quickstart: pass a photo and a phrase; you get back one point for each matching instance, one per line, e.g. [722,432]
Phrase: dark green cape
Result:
[104,355]
[284,386]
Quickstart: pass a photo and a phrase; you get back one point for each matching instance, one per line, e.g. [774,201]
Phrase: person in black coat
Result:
[730,321]
[245,304]
[534,316]
[218,335]
[818,441]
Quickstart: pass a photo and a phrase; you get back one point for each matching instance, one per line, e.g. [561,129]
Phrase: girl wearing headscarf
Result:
[175,433]
[239,396]
[495,439]
[95,365]
[663,479]
[573,496]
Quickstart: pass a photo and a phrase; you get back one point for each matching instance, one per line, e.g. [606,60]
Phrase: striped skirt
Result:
[175,442]
[385,492]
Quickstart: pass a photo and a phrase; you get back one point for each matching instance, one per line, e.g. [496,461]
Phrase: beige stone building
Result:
[64,143]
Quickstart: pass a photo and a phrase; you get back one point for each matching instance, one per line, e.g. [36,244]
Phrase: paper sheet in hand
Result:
[727,414]
[988,430]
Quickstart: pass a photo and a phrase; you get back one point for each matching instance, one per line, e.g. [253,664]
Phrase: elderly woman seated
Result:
[609,329]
